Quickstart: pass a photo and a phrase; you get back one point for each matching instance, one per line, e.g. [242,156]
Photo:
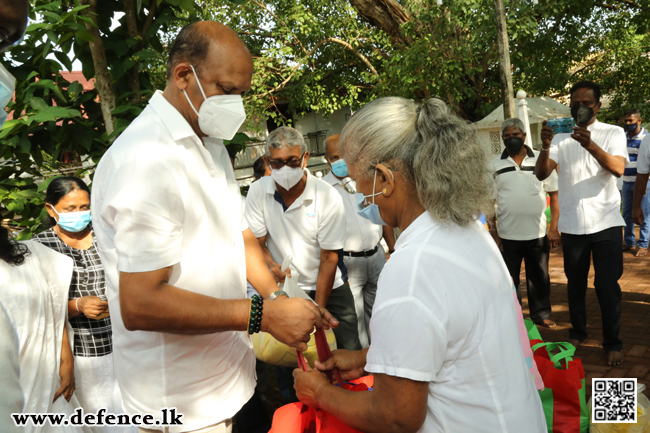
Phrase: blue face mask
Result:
[7,85]
[340,168]
[370,212]
[73,222]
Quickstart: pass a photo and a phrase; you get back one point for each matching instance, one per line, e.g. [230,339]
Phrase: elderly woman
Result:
[445,348]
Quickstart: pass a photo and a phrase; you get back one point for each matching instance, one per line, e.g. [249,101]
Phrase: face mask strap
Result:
[198,82]
[57,214]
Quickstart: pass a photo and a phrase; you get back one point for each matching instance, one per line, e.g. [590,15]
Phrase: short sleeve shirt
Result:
[163,197]
[315,221]
[521,197]
[445,314]
[643,159]
[589,199]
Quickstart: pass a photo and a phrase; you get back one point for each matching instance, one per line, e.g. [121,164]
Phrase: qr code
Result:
[613,400]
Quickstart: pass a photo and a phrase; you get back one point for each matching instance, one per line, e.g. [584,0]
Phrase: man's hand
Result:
[92,306]
[553,237]
[350,363]
[546,135]
[291,321]
[582,136]
[66,371]
[328,320]
[279,276]
[308,385]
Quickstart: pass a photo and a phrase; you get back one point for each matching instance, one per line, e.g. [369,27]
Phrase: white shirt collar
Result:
[177,125]
[308,194]
[413,231]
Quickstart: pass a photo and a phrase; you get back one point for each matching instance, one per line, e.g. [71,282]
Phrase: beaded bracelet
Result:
[255,314]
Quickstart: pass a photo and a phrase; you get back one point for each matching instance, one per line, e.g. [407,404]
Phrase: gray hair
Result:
[285,136]
[436,151]
[513,122]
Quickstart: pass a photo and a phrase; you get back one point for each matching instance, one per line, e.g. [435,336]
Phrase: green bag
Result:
[563,399]
[533,332]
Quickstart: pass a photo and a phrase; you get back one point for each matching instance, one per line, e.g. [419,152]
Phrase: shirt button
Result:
[213,173]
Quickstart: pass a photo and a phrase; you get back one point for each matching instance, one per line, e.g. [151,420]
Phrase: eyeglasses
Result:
[277,164]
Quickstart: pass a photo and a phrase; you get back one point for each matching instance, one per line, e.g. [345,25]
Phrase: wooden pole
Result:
[504,60]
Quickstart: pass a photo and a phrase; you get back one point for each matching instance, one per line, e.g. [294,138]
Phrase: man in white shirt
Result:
[589,161]
[292,213]
[363,255]
[177,252]
[641,203]
[520,229]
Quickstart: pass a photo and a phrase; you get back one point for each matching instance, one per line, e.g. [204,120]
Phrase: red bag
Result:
[300,418]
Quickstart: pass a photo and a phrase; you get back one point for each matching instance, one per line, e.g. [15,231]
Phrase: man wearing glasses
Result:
[292,213]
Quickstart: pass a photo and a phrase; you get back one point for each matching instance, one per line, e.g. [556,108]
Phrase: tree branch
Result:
[153,8]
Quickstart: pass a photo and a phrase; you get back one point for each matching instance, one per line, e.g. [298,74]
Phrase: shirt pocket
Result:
[534,185]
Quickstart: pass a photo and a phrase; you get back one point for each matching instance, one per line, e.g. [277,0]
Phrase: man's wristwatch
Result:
[278,293]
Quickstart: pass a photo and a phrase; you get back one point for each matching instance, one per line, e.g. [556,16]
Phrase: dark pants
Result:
[607,251]
[341,305]
[534,253]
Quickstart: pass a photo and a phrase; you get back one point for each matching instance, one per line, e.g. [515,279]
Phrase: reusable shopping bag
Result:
[563,397]
[268,349]
[300,418]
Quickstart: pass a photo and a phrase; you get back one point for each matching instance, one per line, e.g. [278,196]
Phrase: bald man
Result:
[177,251]
[363,255]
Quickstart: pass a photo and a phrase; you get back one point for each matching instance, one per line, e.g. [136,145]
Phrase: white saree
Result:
[35,296]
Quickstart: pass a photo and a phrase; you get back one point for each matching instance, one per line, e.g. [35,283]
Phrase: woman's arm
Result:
[395,404]
[66,371]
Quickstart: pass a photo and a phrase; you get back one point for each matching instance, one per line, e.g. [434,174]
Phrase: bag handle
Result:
[324,353]
[567,350]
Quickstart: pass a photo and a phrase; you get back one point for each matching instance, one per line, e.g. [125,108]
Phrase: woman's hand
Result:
[308,385]
[92,306]
[66,371]
[350,363]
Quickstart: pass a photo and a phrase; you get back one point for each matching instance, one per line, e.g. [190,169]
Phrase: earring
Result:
[383,191]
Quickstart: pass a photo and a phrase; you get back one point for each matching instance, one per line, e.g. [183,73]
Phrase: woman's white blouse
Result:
[445,314]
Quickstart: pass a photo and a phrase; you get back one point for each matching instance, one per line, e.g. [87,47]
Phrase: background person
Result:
[177,252]
[363,255]
[34,283]
[261,168]
[293,213]
[445,350]
[520,227]
[67,202]
[635,134]
[589,161]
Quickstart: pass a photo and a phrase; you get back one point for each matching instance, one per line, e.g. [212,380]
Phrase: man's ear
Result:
[305,159]
[181,75]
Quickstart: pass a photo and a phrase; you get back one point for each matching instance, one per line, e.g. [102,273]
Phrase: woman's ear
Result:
[386,179]
[50,211]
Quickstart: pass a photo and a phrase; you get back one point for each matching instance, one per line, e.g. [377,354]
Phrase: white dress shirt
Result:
[445,314]
[163,197]
[588,196]
[643,159]
[361,234]
[315,221]
[521,197]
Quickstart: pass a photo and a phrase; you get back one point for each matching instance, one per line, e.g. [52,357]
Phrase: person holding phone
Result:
[589,161]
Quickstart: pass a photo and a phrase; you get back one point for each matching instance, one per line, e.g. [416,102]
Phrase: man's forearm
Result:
[166,308]
[543,167]
[257,269]
[613,164]
[326,275]
[639,189]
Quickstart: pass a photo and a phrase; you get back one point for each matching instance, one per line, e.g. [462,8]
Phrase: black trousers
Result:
[607,251]
[534,253]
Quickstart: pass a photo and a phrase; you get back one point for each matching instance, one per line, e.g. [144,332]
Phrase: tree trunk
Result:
[386,15]
[102,76]
[133,76]
[504,60]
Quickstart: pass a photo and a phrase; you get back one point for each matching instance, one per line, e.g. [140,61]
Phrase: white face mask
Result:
[287,177]
[220,116]
[7,86]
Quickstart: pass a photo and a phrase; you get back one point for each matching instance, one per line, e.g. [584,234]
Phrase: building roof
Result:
[539,109]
